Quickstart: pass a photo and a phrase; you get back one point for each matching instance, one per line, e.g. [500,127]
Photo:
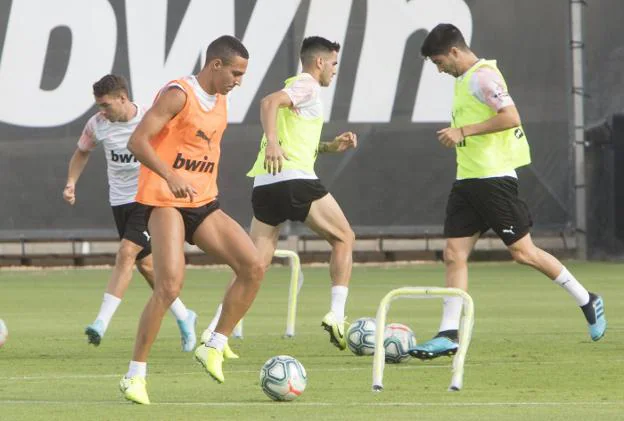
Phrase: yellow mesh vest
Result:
[299,138]
[488,154]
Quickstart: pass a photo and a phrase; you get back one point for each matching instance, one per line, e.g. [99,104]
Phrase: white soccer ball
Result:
[4,332]
[398,340]
[361,336]
[283,378]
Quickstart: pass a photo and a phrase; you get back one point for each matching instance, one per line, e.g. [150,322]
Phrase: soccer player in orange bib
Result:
[178,145]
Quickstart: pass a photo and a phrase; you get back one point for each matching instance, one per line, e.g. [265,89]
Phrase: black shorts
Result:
[132,225]
[475,205]
[192,217]
[285,200]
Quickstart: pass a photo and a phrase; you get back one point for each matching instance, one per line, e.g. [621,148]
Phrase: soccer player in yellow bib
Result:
[285,184]
[490,143]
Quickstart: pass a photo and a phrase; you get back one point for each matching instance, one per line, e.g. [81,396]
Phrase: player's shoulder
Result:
[171,99]
[96,122]
[97,118]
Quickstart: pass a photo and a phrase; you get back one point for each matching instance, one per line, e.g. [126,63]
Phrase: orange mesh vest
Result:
[189,144]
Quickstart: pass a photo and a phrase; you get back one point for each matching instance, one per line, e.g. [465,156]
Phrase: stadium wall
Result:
[398,179]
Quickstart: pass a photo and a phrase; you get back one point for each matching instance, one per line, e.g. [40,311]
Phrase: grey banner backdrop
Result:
[396,181]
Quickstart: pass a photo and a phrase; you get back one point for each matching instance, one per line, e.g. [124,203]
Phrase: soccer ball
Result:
[398,340]
[361,336]
[4,332]
[283,378]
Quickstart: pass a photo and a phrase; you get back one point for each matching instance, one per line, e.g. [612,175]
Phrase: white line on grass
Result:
[341,404]
[338,369]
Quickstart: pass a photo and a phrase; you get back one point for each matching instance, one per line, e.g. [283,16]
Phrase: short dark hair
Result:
[311,46]
[225,48]
[110,84]
[441,39]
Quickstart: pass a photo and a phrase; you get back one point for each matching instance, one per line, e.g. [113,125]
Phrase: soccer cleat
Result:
[187,331]
[134,389]
[228,354]
[95,332]
[335,329]
[436,347]
[212,360]
[596,307]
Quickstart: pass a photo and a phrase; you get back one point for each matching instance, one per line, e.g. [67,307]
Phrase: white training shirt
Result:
[122,166]
[305,95]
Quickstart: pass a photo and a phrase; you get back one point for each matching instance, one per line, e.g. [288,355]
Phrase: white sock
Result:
[108,308]
[217,341]
[574,287]
[451,313]
[215,319]
[137,368]
[178,309]
[339,295]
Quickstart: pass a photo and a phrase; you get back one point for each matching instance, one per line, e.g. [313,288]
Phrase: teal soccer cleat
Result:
[95,332]
[187,331]
[436,347]
[595,312]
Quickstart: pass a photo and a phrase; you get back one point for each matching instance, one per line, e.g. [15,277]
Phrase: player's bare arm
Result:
[274,155]
[506,118]
[77,164]
[341,143]
[166,107]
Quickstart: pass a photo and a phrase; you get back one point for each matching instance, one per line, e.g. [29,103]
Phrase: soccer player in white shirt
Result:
[112,127]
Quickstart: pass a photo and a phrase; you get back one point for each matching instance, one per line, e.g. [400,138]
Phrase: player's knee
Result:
[168,291]
[256,270]
[345,238]
[350,237]
[454,257]
[253,271]
[524,256]
[126,256]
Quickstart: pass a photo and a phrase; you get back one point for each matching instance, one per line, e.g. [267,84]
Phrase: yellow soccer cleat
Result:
[134,389]
[228,354]
[336,330]
[212,360]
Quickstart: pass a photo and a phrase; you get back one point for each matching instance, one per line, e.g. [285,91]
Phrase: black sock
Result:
[588,310]
[451,334]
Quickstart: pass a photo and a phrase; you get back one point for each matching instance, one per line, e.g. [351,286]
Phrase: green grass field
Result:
[531,357]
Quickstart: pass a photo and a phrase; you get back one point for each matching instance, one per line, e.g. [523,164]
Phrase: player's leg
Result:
[167,229]
[117,285]
[264,237]
[525,252]
[134,245]
[509,217]
[220,235]
[185,317]
[270,204]
[326,218]
[462,227]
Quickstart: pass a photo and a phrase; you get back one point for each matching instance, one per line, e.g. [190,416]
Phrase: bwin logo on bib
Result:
[193,164]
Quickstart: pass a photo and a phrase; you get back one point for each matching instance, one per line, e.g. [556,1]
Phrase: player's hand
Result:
[180,187]
[274,158]
[344,141]
[450,136]
[69,193]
